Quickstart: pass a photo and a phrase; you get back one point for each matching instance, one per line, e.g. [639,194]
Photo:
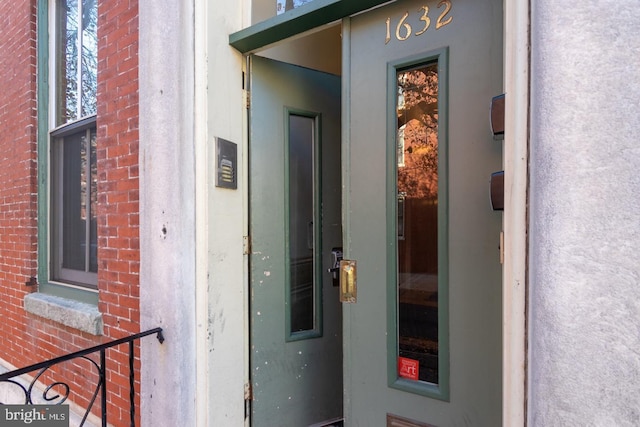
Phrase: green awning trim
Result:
[296,21]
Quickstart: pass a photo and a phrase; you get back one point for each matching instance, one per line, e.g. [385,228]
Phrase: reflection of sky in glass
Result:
[284,5]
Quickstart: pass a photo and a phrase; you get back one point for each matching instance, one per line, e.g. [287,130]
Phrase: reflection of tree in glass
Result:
[89,57]
[87,61]
[67,34]
[417,115]
[418,132]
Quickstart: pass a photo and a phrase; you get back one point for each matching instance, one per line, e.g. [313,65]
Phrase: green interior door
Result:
[295,196]
[423,341]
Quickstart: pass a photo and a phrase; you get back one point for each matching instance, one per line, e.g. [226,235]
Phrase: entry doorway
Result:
[421,345]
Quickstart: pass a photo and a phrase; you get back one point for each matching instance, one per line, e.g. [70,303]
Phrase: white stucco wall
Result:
[584,355]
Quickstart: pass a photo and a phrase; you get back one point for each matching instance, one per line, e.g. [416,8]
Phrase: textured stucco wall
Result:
[167,213]
[585,214]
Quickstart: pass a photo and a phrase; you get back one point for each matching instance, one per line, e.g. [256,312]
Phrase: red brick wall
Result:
[25,338]
[118,189]
[18,172]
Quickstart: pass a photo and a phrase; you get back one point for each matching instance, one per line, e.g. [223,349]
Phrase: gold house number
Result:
[404,29]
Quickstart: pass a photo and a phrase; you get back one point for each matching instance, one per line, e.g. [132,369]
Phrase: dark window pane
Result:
[93,205]
[73,202]
[417,226]
[301,230]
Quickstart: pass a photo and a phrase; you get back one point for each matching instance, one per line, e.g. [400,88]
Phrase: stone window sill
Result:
[75,314]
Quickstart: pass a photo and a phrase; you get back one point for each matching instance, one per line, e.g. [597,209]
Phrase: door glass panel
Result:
[417,222]
[301,224]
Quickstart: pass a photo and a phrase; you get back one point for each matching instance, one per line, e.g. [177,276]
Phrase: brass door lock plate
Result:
[348,281]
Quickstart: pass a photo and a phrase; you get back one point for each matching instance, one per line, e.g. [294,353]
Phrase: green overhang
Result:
[296,21]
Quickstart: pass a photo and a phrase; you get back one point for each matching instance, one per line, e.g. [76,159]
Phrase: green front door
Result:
[422,343]
[295,314]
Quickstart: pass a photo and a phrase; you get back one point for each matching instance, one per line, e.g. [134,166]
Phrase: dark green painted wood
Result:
[295,382]
[43,137]
[72,293]
[296,21]
[474,42]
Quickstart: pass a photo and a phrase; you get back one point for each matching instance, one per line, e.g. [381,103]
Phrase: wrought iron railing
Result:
[58,391]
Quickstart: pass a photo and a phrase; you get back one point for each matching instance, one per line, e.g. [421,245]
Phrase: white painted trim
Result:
[221,212]
[516,81]
[52,63]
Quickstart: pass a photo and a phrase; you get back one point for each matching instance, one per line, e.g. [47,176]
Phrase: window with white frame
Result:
[73,173]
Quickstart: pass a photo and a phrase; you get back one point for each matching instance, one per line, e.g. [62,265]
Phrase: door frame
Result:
[514,245]
[515,279]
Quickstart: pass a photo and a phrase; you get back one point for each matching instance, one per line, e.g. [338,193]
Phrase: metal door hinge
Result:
[248,396]
[246,245]
[246,83]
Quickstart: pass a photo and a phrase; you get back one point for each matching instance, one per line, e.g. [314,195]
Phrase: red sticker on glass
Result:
[408,368]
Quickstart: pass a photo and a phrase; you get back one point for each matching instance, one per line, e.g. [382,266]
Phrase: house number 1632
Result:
[404,29]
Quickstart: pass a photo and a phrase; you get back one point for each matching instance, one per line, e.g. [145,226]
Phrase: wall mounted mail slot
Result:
[497,116]
[497,191]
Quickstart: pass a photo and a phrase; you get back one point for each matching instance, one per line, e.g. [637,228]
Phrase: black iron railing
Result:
[57,392]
